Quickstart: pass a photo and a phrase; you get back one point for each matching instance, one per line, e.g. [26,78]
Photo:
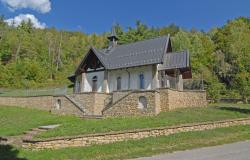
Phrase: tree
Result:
[172,29]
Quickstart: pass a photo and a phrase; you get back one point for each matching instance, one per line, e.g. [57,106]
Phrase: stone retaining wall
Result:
[124,103]
[47,103]
[39,102]
[128,104]
[66,107]
[111,137]
[182,99]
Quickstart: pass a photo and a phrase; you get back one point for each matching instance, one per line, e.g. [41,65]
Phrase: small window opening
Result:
[94,84]
[119,83]
[142,103]
[58,104]
[141,81]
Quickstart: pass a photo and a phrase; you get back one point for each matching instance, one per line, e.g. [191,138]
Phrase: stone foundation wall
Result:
[164,100]
[99,103]
[183,99]
[105,138]
[66,108]
[128,104]
[124,103]
[87,100]
[39,102]
[92,101]
[116,95]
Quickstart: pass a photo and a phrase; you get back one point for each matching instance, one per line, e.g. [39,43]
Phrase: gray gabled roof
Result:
[135,54]
[175,60]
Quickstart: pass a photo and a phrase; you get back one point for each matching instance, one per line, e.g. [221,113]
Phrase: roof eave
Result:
[134,66]
[165,47]
[83,60]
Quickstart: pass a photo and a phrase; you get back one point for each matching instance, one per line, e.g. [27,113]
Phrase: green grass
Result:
[137,148]
[34,92]
[24,93]
[14,120]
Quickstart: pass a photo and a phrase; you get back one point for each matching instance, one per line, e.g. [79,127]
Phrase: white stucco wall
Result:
[134,78]
[112,75]
[88,81]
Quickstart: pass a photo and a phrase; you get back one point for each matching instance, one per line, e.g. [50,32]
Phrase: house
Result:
[143,65]
[141,78]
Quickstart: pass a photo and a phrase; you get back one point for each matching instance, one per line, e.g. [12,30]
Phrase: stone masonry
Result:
[122,103]
[128,104]
[40,102]
[160,100]
[111,137]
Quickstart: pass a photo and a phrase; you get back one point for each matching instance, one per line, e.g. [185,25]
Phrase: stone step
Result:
[92,117]
[79,105]
[30,132]
[47,127]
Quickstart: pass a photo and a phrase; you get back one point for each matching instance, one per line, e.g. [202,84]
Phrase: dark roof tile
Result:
[134,54]
[175,60]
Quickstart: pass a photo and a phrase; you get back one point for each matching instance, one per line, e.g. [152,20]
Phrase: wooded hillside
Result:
[32,57]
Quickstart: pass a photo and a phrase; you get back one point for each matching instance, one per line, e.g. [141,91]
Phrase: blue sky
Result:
[98,15]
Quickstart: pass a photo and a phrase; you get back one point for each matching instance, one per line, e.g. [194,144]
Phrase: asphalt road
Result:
[234,151]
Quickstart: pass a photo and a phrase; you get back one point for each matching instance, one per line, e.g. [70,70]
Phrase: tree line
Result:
[32,57]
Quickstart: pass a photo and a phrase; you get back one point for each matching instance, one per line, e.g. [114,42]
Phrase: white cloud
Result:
[16,21]
[43,6]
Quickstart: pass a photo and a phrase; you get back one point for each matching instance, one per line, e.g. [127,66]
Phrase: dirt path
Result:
[28,135]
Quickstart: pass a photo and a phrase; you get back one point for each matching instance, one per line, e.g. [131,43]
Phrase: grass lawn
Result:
[34,92]
[14,120]
[137,148]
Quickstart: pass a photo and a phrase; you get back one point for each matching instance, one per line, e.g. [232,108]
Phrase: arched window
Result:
[58,103]
[119,83]
[94,84]
[142,103]
[141,81]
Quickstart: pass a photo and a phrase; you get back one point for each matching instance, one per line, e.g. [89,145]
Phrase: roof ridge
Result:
[165,36]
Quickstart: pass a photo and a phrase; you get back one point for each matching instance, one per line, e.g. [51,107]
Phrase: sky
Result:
[97,16]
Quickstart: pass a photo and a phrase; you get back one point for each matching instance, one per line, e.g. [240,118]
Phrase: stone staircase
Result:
[110,101]
[78,105]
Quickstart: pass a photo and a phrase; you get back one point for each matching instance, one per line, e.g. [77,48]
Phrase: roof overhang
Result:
[177,60]
[72,78]
[83,61]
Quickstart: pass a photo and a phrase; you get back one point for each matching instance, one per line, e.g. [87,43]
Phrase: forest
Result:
[36,58]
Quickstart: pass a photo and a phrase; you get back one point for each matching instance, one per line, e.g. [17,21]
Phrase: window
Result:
[58,104]
[119,83]
[94,84]
[141,81]
[142,103]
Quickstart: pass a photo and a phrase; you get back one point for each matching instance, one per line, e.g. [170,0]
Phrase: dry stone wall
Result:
[164,100]
[129,104]
[92,101]
[124,103]
[183,99]
[105,138]
[39,102]
[66,107]
[161,100]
